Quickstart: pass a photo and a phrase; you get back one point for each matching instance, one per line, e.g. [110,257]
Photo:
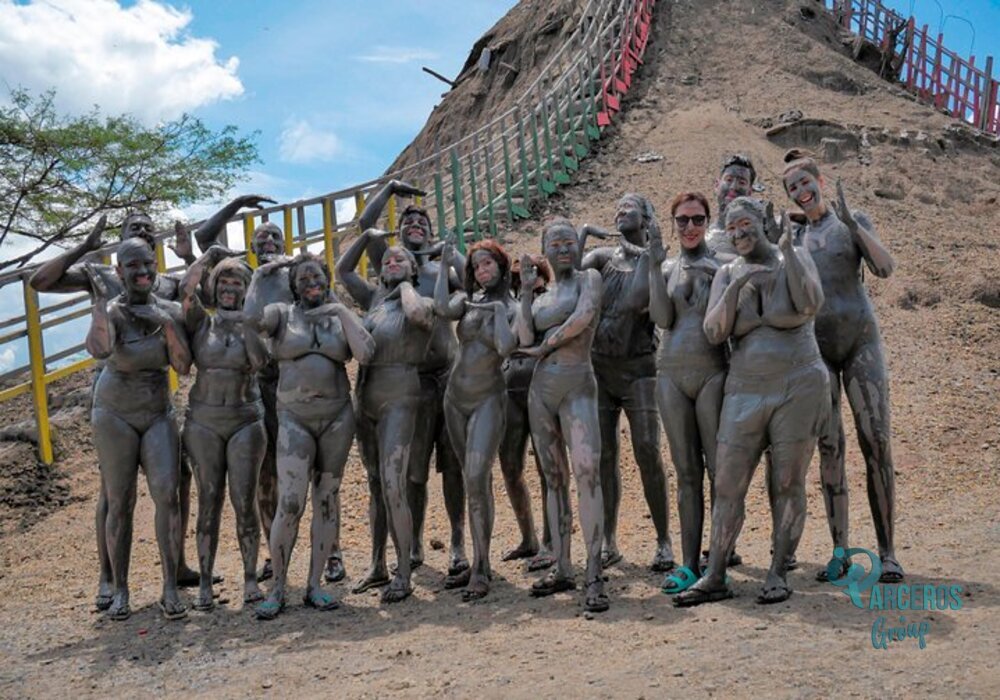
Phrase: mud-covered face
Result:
[415,230]
[311,283]
[805,189]
[138,226]
[267,242]
[562,248]
[230,291]
[744,229]
[690,221]
[735,181]
[629,215]
[137,268]
[396,266]
[485,269]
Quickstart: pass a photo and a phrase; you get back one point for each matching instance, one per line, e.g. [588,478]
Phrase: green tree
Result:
[59,173]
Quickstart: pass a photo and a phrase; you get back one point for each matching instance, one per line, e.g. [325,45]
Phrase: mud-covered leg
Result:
[377,574]
[419,470]
[867,388]
[611,480]
[680,421]
[186,576]
[244,455]
[735,465]
[159,451]
[482,440]
[579,420]
[296,454]
[267,484]
[551,452]
[790,462]
[395,435]
[332,450]
[512,458]
[118,455]
[832,471]
[105,585]
[207,452]
[644,427]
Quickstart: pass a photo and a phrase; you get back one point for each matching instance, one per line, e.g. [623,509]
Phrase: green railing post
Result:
[456,185]
[490,194]
[524,157]
[474,193]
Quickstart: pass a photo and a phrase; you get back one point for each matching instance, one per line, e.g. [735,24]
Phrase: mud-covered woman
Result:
[224,431]
[691,371]
[518,370]
[311,339]
[475,402]
[139,336]
[402,323]
[841,241]
[558,328]
[775,393]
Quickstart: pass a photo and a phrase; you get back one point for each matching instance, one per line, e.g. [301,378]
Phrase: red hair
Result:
[690,197]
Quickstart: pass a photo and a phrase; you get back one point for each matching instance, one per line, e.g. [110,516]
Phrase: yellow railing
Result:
[494,173]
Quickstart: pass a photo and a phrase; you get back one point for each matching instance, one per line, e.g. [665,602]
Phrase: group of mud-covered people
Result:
[739,343]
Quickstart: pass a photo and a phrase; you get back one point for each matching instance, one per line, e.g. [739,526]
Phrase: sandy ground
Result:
[939,321]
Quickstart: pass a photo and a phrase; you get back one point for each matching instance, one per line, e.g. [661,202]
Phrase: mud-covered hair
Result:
[557,222]
[300,260]
[684,197]
[799,159]
[742,160]
[498,254]
[648,211]
[409,256]
[136,242]
[234,267]
[269,226]
[136,214]
[754,206]
[416,209]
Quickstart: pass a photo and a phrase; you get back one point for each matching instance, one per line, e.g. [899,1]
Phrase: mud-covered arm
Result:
[360,289]
[210,232]
[588,305]
[876,256]
[194,311]
[59,273]
[804,286]
[598,257]
[723,301]
[417,309]
[358,338]
[661,308]
[101,335]
[446,305]
[374,205]
[504,338]
[524,324]
[267,323]
[178,347]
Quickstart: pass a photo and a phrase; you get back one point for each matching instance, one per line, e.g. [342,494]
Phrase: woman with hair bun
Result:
[840,240]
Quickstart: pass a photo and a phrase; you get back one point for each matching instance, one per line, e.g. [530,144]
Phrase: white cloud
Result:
[7,359]
[137,59]
[394,54]
[301,142]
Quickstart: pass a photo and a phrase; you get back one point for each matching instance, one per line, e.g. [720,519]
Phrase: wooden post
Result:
[161,266]
[289,248]
[248,239]
[329,214]
[359,207]
[986,99]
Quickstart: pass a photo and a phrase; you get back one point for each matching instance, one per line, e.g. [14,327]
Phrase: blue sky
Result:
[954,18]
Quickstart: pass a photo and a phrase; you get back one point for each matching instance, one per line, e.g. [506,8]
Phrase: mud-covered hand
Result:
[785,242]
[254,201]
[842,211]
[97,284]
[182,242]
[745,273]
[93,239]
[529,273]
[534,351]
[405,189]
[150,315]
[657,249]
[448,254]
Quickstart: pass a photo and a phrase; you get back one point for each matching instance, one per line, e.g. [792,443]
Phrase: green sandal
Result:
[679,581]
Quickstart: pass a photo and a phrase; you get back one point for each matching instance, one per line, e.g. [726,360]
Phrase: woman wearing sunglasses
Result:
[690,370]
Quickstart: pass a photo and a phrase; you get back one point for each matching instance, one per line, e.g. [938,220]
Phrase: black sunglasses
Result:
[697,220]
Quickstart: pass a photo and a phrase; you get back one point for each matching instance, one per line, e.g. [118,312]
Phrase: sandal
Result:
[396,592]
[269,609]
[202,605]
[335,570]
[551,584]
[610,558]
[173,611]
[892,571]
[541,561]
[103,601]
[697,596]
[457,567]
[597,602]
[769,595]
[679,581]
[459,579]
[320,600]
[369,582]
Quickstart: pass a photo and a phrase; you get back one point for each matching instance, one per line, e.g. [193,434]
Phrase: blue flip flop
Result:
[681,579]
